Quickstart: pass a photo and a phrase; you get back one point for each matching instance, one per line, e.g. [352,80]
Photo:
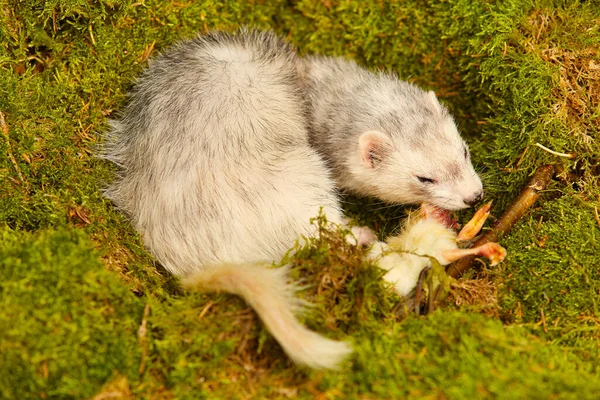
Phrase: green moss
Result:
[67,324]
[513,72]
[456,355]
[563,289]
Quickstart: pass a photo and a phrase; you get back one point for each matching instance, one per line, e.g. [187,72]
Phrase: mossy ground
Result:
[86,313]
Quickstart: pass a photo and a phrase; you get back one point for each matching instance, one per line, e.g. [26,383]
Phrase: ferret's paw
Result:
[363,236]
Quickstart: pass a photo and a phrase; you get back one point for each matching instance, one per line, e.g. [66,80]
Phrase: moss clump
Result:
[68,325]
[560,295]
[458,355]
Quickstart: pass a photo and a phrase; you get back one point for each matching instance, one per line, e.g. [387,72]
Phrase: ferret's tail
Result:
[273,298]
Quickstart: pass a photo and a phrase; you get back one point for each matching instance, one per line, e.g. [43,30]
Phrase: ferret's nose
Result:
[473,200]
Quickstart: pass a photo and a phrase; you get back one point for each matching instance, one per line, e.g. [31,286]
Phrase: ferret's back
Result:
[204,88]
[209,104]
[214,154]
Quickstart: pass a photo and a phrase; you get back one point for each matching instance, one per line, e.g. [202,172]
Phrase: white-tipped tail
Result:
[273,298]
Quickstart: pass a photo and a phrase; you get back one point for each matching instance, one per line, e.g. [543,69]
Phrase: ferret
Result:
[220,176]
[386,138]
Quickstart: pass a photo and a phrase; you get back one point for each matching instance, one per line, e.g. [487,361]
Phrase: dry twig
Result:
[4,128]
[142,338]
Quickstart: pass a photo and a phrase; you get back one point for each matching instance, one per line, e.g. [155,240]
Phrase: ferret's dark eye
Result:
[425,180]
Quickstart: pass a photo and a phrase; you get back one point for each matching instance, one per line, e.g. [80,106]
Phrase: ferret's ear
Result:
[373,147]
[434,100]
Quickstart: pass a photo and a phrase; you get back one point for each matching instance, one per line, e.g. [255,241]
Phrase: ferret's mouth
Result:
[440,215]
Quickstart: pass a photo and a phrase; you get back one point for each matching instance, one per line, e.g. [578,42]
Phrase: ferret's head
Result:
[416,154]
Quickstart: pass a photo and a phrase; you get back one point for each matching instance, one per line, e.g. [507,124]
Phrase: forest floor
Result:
[85,312]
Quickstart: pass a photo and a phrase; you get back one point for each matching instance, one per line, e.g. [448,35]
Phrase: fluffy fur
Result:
[426,234]
[421,238]
[387,138]
[218,175]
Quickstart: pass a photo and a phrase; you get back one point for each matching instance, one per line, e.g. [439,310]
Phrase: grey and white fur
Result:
[387,138]
[218,174]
